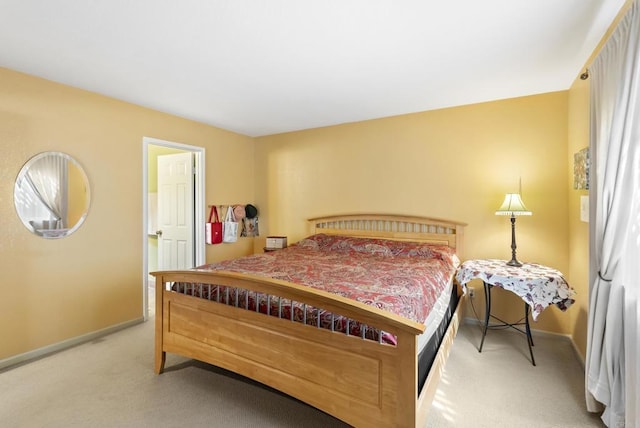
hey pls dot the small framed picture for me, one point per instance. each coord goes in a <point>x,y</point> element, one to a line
<point>581,169</point>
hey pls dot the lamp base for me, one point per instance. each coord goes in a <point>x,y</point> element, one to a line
<point>514,262</point>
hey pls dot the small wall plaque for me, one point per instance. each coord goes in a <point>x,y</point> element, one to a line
<point>581,166</point>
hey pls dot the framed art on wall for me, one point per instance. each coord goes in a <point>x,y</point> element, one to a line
<point>581,169</point>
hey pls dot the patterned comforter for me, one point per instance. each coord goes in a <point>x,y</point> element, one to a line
<point>405,278</point>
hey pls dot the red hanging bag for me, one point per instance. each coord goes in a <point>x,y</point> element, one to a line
<point>213,229</point>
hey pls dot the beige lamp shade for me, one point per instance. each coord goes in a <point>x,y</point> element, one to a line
<point>513,205</point>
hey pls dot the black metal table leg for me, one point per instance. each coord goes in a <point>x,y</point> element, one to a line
<point>528,330</point>
<point>487,316</point>
<point>487,312</point>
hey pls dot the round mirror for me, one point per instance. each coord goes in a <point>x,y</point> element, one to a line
<point>52,195</point>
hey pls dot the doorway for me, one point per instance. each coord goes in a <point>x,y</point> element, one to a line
<point>151,149</point>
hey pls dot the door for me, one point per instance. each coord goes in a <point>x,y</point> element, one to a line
<point>175,211</point>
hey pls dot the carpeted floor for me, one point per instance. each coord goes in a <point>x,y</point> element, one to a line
<point>110,383</point>
<point>501,388</point>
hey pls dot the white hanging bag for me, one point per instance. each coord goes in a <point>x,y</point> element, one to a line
<point>229,226</point>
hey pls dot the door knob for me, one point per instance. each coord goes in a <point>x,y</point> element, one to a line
<point>159,233</point>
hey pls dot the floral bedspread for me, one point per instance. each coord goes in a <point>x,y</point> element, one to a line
<point>404,278</point>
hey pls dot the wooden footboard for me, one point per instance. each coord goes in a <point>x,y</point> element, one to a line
<point>362,382</point>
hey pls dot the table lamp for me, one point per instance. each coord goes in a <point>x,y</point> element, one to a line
<point>513,206</point>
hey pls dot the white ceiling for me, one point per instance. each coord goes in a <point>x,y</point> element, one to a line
<point>261,67</point>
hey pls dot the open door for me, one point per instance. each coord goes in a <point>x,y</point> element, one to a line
<point>182,242</point>
<point>175,212</point>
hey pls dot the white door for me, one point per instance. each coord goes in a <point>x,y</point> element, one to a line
<point>175,211</point>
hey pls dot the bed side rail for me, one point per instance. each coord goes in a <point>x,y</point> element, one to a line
<point>366,314</point>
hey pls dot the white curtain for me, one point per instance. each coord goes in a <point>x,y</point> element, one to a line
<point>48,180</point>
<point>613,352</point>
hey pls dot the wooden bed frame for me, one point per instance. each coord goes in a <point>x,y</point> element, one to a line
<point>362,382</point>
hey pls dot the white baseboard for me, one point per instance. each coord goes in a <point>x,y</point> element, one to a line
<point>578,354</point>
<point>65,344</point>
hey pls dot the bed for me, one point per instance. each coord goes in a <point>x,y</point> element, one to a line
<point>352,358</point>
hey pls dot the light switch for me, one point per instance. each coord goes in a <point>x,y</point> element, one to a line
<point>584,208</point>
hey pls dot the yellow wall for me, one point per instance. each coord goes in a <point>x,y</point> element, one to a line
<point>453,163</point>
<point>54,290</point>
<point>578,230</point>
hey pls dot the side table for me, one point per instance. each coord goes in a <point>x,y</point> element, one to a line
<point>539,286</point>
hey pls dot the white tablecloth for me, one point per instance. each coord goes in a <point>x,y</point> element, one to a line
<point>539,286</point>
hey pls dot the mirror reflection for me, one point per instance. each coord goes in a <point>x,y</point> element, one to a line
<point>52,195</point>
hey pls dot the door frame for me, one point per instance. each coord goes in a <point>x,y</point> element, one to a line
<point>198,206</point>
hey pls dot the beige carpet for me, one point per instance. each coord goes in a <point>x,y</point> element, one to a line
<point>501,388</point>
<point>110,383</point>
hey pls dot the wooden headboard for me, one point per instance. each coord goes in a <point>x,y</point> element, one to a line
<point>389,226</point>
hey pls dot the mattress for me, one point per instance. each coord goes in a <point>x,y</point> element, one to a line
<point>429,350</point>
<point>438,313</point>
